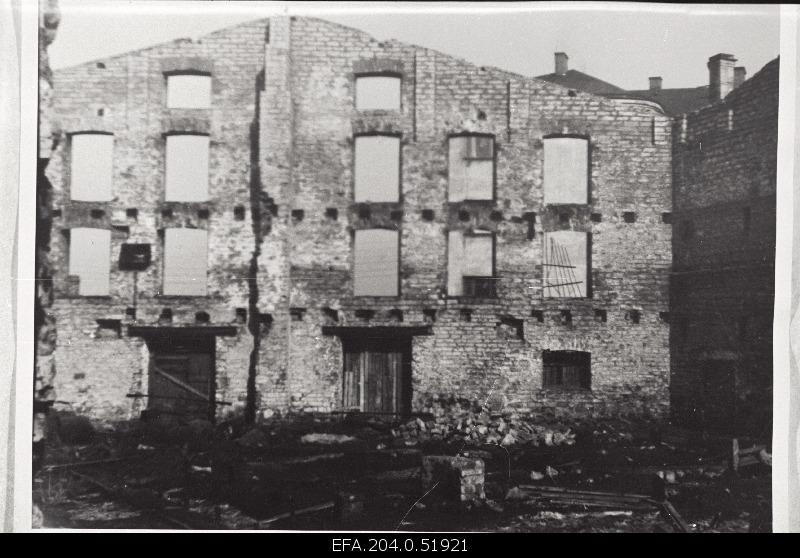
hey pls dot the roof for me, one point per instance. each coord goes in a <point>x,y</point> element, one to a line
<point>573,79</point>
<point>675,101</point>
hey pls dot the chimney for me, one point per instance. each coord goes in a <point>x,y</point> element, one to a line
<point>561,63</point>
<point>655,83</point>
<point>720,76</point>
<point>739,75</point>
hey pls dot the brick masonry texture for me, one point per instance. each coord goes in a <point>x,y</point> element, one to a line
<point>281,129</point>
<point>724,251</point>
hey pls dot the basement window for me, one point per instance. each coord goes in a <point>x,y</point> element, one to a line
<point>376,263</point>
<point>185,262</point>
<point>566,370</point>
<point>566,265</point>
<point>91,166</point>
<point>187,168</point>
<point>192,91</point>
<point>566,170</point>
<point>378,92</point>
<point>377,168</point>
<point>90,260</point>
<point>470,264</point>
<point>470,168</point>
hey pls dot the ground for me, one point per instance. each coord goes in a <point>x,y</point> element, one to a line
<point>364,473</point>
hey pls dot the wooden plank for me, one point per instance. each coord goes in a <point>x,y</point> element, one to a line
<point>179,383</point>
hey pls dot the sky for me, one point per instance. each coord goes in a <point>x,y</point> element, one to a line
<point>622,43</point>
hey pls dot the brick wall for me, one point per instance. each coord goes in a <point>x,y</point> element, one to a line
<point>724,243</point>
<point>282,131</point>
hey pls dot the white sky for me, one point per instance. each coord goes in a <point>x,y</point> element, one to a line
<point>622,43</point>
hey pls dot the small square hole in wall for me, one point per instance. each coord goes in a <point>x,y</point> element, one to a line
<point>101,65</point>
<point>530,218</point>
<point>364,212</point>
<point>166,213</point>
<point>297,314</point>
<point>563,218</point>
<point>600,315</point>
<point>241,315</point>
<point>465,315</point>
<point>566,317</point>
<point>463,215</point>
<point>166,315</point>
<point>396,315</point>
<point>298,215</point>
<point>132,213</point>
<point>265,321</point>
<point>101,112</point>
<point>664,317</point>
<point>666,218</point>
<point>597,218</point>
<point>428,215</point>
<point>572,93</point>
<point>130,312</point>
<point>429,315</point>
<point>79,376</point>
<point>56,213</point>
<point>633,316</point>
<point>238,213</point>
<point>331,315</point>
<point>332,214</point>
<point>202,317</point>
<point>365,315</point>
<point>109,327</point>
<point>397,215</point>
<point>97,213</point>
<point>496,216</point>
<point>629,217</point>
<point>203,213</point>
<point>537,315</point>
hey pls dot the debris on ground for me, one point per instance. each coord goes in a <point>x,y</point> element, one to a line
<point>324,438</point>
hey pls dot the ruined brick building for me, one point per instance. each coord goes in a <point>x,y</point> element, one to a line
<point>289,215</point>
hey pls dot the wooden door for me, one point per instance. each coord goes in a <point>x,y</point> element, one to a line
<point>376,375</point>
<point>181,380</point>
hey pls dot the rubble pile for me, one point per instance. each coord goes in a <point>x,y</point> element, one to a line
<point>482,427</point>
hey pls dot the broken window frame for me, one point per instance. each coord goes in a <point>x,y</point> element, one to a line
<point>474,136</point>
<point>356,292</point>
<point>385,75</point>
<point>585,185</point>
<point>553,373</point>
<point>564,282</point>
<point>471,286</point>
<point>108,189</point>
<point>188,73</point>
<point>206,183</point>
<point>71,271</point>
<point>165,280</point>
<point>356,190</point>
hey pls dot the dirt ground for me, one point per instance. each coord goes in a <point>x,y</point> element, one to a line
<point>355,473</point>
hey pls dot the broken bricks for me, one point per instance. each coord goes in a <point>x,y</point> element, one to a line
<point>456,479</point>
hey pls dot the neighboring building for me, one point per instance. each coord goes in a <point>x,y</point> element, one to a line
<point>293,214</point>
<point>725,161</point>
<point>573,79</point>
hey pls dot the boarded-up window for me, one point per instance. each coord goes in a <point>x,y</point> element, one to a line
<point>566,369</point>
<point>185,262</point>
<point>91,166</point>
<point>377,169</point>
<point>376,263</point>
<point>189,91</point>
<point>471,168</point>
<point>90,260</point>
<point>187,168</point>
<point>378,93</point>
<point>566,170</point>
<point>566,264</point>
<point>470,264</point>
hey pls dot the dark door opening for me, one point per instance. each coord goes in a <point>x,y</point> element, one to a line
<point>566,370</point>
<point>181,377</point>
<point>377,375</point>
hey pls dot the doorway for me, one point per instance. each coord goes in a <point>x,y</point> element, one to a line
<point>377,375</point>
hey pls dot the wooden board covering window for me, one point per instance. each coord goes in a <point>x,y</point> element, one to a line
<point>375,375</point>
<point>90,260</point>
<point>91,164</point>
<point>566,171</point>
<point>468,255</point>
<point>470,168</point>
<point>377,169</point>
<point>378,93</point>
<point>185,261</point>
<point>565,267</point>
<point>187,168</point>
<point>376,263</point>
